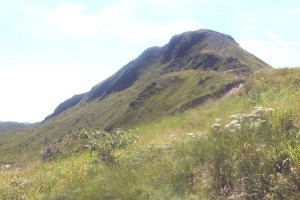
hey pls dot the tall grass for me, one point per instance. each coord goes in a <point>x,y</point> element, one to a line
<point>249,152</point>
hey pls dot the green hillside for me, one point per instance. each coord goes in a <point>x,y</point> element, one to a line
<point>244,145</point>
<point>192,69</point>
<point>181,89</point>
<point>199,118</point>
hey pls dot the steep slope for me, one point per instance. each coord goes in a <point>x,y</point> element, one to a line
<point>198,50</point>
<point>191,69</point>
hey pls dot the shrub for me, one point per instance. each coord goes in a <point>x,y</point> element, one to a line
<point>103,145</point>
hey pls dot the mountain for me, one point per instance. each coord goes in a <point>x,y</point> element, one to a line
<point>203,50</point>
<point>193,68</point>
<point>12,126</point>
<point>203,119</point>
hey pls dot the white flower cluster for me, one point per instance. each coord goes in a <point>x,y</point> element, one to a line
<point>259,111</point>
<point>234,124</point>
<point>254,118</point>
<point>196,136</point>
<point>217,124</point>
<point>257,123</point>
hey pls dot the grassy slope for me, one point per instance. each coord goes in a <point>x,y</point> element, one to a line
<point>182,88</point>
<point>169,162</point>
<point>177,87</point>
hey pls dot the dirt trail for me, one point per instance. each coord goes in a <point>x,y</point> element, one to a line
<point>233,90</point>
<point>226,91</point>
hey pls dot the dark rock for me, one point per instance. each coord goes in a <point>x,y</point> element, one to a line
<point>209,60</point>
<point>180,45</point>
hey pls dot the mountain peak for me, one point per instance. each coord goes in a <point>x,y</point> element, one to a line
<point>205,39</point>
<point>203,34</point>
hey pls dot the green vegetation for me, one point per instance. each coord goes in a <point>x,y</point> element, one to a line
<point>245,145</point>
<point>142,103</point>
<point>194,68</point>
<point>103,144</point>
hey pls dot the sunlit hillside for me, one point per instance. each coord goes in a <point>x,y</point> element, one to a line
<point>242,146</point>
<point>193,68</point>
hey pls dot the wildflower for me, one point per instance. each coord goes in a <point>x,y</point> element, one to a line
<point>216,126</point>
<point>261,110</point>
<point>232,130</point>
<point>190,134</point>
<point>233,123</point>
<point>257,123</point>
<point>269,110</point>
<point>238,116</point>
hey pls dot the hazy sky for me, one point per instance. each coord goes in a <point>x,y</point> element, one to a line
<point>53,49</point>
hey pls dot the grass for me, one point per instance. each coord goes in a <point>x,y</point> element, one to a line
<point>184,157</point>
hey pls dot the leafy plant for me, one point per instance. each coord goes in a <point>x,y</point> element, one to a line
<point>103,145</point>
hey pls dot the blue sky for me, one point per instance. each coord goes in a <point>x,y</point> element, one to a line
<point>50,49</point>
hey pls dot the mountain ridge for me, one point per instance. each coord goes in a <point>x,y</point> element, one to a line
<point>198,50</point>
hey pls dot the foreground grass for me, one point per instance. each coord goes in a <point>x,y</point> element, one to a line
<point>183,157</point>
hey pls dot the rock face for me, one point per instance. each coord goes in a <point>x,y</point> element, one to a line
<point>202,50</point>
<point>196,50</point>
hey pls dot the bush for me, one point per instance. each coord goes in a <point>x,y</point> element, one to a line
<point>103,145</point>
